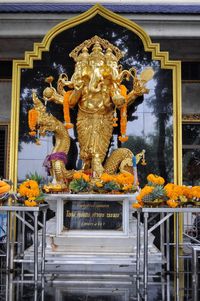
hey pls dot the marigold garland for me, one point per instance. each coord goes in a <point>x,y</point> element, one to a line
<point>32,121</point>
<point>105,177</point>
<point>115,119</point>
<point>195,191</point>
<point>126,179</point>
<point>173,191</point>
<point>30,202</point>
<point>172,195</point>
<point>69,125</point>
<point>137,205</point>
<point>4,187</point>
<point>144,191</point>
<point>155,179</point>
<point>80,175</point>
<point>29,189</point>
<point>172,203</point>
<point>123,115</point>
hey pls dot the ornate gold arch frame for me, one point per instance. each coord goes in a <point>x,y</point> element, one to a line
<point>154,48</point>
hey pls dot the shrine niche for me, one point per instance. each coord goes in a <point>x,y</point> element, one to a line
<point>102,93</point>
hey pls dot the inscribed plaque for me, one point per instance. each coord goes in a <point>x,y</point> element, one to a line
<point>92,215</point>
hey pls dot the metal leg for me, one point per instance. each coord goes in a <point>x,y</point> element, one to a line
<point>168,288</point>
<point>194,274</point>
<point>7,286</point>
<point>177,256</point>
<point>35,248</point>
<point>8,243</point>
<point>19,235</point>
<point>35,293</point>
<point>145,252</point>
<point>12,240</point>
<point>168,258</point>
<point>138,255</point>
<point>43,243</point>
<point>162,236</point>
<point>167,245</point>
<point>23,248</point>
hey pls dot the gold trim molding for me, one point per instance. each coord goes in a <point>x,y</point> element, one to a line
<point>191,118</point>
<point>149,46</point>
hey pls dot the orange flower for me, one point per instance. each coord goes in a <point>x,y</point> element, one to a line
<point>32,121</point>
<point>123,138</point>
<point>80,175</point>
<point>105,177</point>
<point>29,189</point>
<point>136,205</point>
<point>126,187</point>
<point>195,190</point>
<point>69,125</point>
<point>155,179</point>
<point>30,203</point>
<point>174,191</point>
<point>32,133</point>
<point>4,187</point>
<point>144,191</point>
<point>123,115</point>
<point>188,192</point>
<point>124,179</point>
<point>172,203</point>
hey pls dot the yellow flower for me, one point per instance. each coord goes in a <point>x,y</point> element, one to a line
<point>145,191</point>
<point>195,190</point>
<point>174,191</point>
<point>80,175</point>
<point>126,187</point>
<point>124,179</point>
<point>32,121</point>
<point>136,205</point>
<point>4,187</point>
<point>30,203</point>
<point>155,179</point>
<point>99,184</point>
<point>172,203</point>
<point>29,189</point>
<point>187,191</point>
<point>107,178</point>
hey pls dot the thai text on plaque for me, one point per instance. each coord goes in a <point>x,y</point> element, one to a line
<point>93,215</point>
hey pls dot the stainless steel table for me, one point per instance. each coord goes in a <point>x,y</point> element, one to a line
<point>20,213</point>
<point>165,214</point>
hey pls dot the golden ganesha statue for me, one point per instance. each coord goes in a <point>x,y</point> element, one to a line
<point>96,87</point>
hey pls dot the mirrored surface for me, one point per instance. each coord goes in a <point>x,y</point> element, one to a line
<point>191,154</point>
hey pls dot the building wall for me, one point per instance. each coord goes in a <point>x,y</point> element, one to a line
<point>177,34</point>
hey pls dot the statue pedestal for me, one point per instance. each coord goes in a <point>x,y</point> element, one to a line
<point>93,232</point>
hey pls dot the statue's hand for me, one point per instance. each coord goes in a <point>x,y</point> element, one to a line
<point>50,94</point>
<point>118,100</point>
<point>139,87</point>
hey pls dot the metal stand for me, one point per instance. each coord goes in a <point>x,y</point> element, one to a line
<point>195,269</point>
<point>19,213</point>
<point>165,214</point>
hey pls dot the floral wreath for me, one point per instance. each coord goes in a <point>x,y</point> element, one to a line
<point>29,189</point>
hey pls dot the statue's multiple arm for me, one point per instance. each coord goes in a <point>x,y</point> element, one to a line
<point>74,97</point>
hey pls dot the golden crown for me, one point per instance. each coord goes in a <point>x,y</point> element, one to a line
<point>88,43</point>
